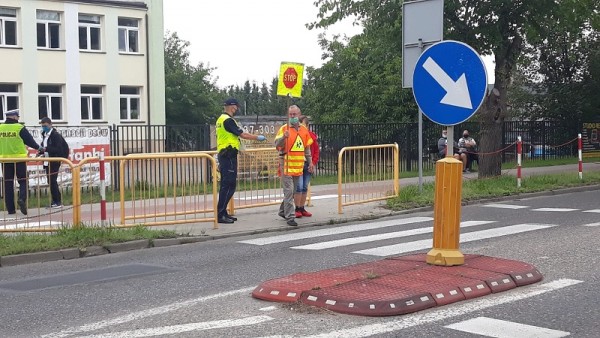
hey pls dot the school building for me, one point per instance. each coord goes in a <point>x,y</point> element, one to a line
<point>83,62</point>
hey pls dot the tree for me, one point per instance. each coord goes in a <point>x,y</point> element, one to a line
<point>493,27</point>
<point>361,82</point>
<point>191,94</point>
<point>563,66</point>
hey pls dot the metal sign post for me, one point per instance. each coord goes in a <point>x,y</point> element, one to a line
<point>422,26</point>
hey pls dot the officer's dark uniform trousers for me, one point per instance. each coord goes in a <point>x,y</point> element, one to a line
<point>8,171</point>
<point>228,167</point>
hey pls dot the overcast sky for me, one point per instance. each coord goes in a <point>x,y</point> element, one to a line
<point>248,39</point>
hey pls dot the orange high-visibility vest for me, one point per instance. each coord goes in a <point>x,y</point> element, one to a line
<point>293,160</point>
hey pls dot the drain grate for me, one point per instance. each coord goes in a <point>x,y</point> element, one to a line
<point>88,276</point>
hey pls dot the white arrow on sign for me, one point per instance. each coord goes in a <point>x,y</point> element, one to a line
<point>457,93</point>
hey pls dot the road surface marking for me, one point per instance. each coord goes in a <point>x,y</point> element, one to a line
<point>490,327</point>
<point>592,224</point>
<point>260,198</point>
<point>177,329</point>
<point>43,224</point>
<point>379,237</point>
<point>324,197</point>
<point>465,237</point>
<point>334,231</point>
<point>459,309</point>
<point>597,211</point>
<point>506,206</point>
<point>555,209</point>
<point>268,308</point>
<point>145,313</point>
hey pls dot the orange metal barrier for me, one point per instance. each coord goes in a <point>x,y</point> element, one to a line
<point>365,174</point>
<point>156,190</point>
<point>40,217</point>
<point>258,183</point>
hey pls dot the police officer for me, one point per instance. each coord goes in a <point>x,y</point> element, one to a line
<point>13,138</point>
<point>228,146</point>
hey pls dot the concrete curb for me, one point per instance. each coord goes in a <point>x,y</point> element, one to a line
<point>66,254</point>
<point>128,246</point>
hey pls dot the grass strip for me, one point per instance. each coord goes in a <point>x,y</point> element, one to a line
<point>76,238</point>
<point>475,189</point>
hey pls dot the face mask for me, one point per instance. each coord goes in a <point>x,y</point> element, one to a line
<point>465,135</point>
<point>294,120</point>
<point>46,128</point>
<point>445,135</point>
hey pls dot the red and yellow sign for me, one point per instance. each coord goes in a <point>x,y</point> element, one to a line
<point>290,79</point>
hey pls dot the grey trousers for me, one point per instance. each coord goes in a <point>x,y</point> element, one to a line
<point>287,209</point>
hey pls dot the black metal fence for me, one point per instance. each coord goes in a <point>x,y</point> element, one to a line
<point>542,140</point>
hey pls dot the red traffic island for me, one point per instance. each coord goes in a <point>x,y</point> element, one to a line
<point>398,285</point>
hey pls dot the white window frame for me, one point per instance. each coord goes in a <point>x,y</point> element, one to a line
<point>4,98</point>
<point>88,28</point>
<point>46,24</point>
<point>90,97</point>
<point>49,97</point>
<point>129,98</point>
<point>3,20</point>
<point>126,30</point>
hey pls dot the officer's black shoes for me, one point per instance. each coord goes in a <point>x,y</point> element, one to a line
<point>231,217</point>
<point>292,223</point>
<point>225,220</point>
<point>22,206</point>
<point>12,212</point>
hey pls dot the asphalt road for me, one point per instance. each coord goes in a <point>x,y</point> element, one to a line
<point>203,290</point>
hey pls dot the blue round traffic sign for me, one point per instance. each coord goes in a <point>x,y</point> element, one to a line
<point>449,82</point>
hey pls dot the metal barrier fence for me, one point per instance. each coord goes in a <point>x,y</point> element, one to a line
<point>365,174</point>
<point>258,182</point>
<point>155,190</point>
<point>39,217</point>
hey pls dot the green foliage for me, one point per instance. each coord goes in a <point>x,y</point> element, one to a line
<point>76,238</point>
<point>360,83</point>
<point>499,27</point>
<point>476,189</point>
<point>192,96</point>
<point>258,100</point>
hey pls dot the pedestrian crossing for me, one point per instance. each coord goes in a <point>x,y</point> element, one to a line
<point>417,236</point>
<point>490,327</point>
<point>547,209</point>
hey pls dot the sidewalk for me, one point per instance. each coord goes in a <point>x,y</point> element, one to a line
<point>325,205</point>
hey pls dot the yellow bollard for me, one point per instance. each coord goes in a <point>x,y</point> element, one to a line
<point>446,219</point>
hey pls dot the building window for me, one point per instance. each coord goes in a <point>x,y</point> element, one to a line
<point>89,32</point>
<point>9,98</point>
<point>50,102</point>
<point>129,33</point>
<point>48,29</point>
<point>91,103</point>
<point>130,103</point>
<point>8,26</point>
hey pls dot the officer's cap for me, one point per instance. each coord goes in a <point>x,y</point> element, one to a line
<point>14,112</point>
<point>231,102</point>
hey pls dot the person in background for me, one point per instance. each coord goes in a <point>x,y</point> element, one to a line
<point>442,151</point>
<point>228,146</point>
<point>293,143</point>
<point>13,139</point>
<point>302,189</point>
<point>467,146</point>
<point>53,145</point>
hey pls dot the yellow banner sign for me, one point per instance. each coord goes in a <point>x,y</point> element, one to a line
<point>290,79</point>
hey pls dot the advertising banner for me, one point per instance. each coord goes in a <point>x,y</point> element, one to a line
<point>591,139</point>
<point>83,142</point>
